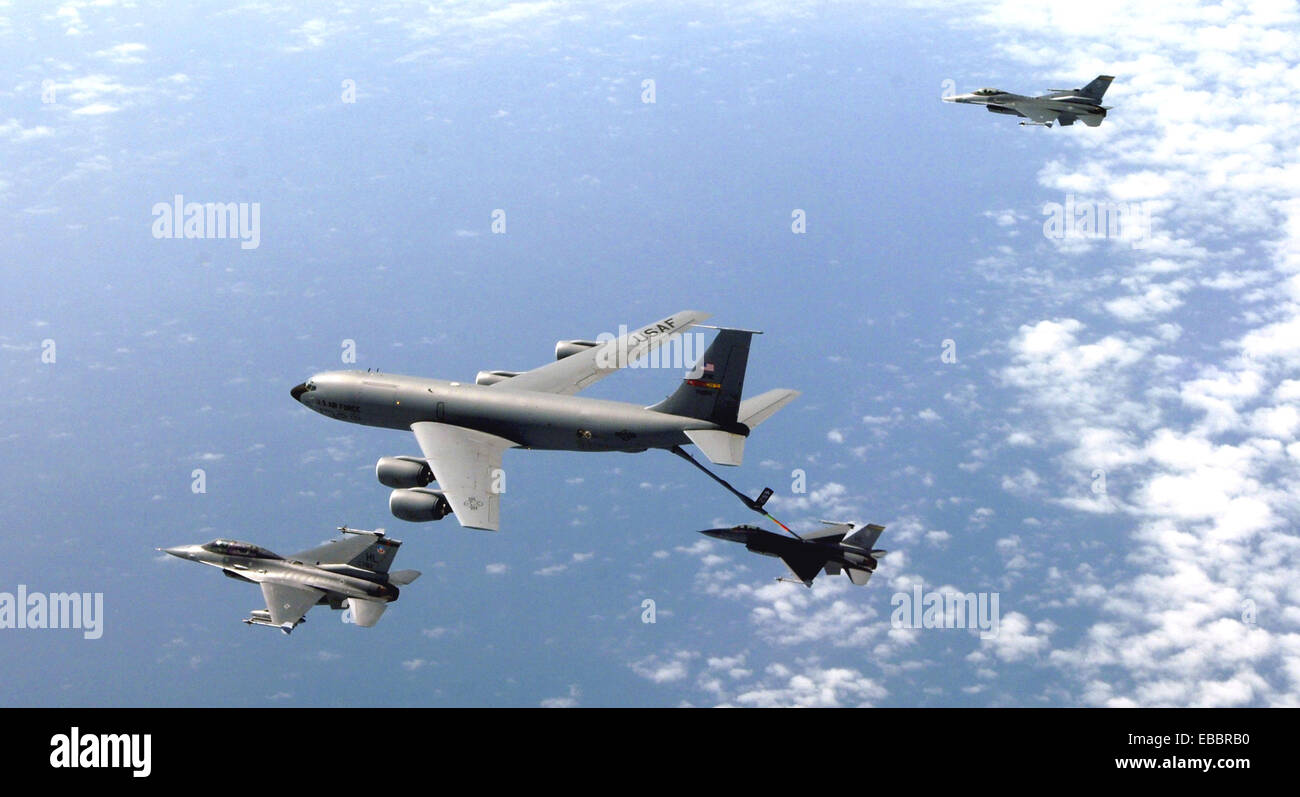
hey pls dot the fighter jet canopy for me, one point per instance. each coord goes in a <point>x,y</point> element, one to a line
<point>237,548</point>
<point>987,92</point>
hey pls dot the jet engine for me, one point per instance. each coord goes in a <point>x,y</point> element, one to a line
<point>492,377</point>
<point>568,348</point>
<point>419,505</point>
<point>403,472</point>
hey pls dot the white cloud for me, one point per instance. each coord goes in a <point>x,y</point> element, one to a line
<point>568,701</point>
<point>1195,446</point>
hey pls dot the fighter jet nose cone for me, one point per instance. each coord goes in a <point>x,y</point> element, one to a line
<point>297,391</point>
<point>178,551</point>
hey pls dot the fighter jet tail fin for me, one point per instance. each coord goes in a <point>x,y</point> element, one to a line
<point>865,536</point>
<point>378,556</point>
<point>1097,88</point>
<point>711,391</point>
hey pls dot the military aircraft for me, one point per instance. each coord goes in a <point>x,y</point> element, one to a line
<point>350,573</point>
<point>464,428</point>
<point>1059,105</point>
<point>849,547</point>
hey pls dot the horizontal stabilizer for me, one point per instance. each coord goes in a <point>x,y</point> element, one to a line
<point>754,411</point>
<point>857,576</point>
<point>365,612</point>
<point>403,577</point>
<point>722,448</point>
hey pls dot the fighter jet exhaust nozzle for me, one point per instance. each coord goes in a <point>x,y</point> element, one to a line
<point>418,505</point>
<point>403,472</point>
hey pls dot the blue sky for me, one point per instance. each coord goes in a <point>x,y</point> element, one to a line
<point>1170,368</point>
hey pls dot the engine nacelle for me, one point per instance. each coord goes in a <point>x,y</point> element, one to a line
<point>568,348</point>
<point>419,505</point>
<point>403,472</point>
<point>492,377</point>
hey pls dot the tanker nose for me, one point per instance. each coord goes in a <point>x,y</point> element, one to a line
<point>297,391</point>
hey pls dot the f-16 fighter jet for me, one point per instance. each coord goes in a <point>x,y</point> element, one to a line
<point>1058,105</point>
<point>846,547</point>
<point>464,428</point>
<point>350,573</point>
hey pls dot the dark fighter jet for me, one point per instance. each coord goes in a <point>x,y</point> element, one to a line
<point>840,546</point>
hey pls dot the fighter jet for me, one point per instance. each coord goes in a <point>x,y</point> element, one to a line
<point>351,573</point>
<point>1058,105</point>
<point>849,547</point>
<point>464,428</point>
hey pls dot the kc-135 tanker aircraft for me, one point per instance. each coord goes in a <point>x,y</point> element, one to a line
<point>464,428</point>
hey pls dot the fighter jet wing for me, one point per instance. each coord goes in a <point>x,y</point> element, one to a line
<point>1006,109</point>
<point>587,367</point>
<point>468,467</point>
<point>804,567</point>
<point>336,552</point>
<point>1036,112</point>
<point>833,531</point>
<point>288,604</point>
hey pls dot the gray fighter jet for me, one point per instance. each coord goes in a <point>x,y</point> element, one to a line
<point>849,547</point>
<point>464,428</point>
<point>351,573</point>
<point>1059,105</point>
